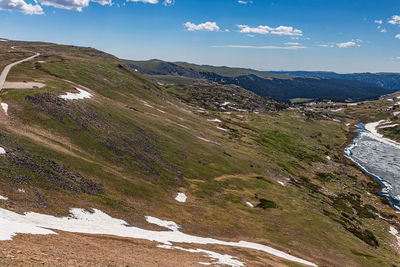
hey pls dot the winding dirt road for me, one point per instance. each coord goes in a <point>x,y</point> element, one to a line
<point>6,70</point>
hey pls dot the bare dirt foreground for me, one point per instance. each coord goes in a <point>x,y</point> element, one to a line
<point>70,249</point>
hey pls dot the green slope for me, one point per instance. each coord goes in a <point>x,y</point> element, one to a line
<point>131,147</point>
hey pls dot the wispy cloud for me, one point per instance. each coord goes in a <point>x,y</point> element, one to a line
<point>292,43</point>
<point>378,21</point>
<point>397,36</point>
<point>145,1</point>
<point>352,43</point>
<point>245,2</point>
<point>206,26</point>
<point>281,30</point>
<point>293,47</point>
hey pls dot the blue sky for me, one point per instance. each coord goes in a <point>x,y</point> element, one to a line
<point>335,35</point>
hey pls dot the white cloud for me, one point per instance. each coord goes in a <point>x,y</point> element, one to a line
<point>397,36</point>
<point>261,47</point>
<point>281,30</point>
<point>346,44</point>
<point>206,26</point>
<point>291,43</point>
<point>21,6</point>
<point>398,58</point>
<point>168,2</point>
<point>395,20</point>
<point>383,30</point>
<point>77,5</point>
<point>145,1</point>
<point>244,2</point>
<point>378,21</point>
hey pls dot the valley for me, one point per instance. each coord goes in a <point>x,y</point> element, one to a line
<point>183,166</point>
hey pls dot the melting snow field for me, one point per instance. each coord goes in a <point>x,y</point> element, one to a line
<point>4,106</point>
<point>181,197</point>
<point>73,96</point>
<point>81,221</point>
<point>379,157</point>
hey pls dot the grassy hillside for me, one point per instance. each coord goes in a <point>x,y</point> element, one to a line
<point>130,148</point>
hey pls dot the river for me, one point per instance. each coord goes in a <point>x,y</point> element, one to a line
<point>379,157</point>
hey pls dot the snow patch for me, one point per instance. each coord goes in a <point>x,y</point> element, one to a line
<point>206,140</point>
<point>2,150</point>
<point>281,183</point>
<point>181,197</point>
<point>74,96</point>
<point>215,120</point>
<point>249,204</point>
<point>81,221</point>
<point>328,158</point>
<point>21,190</point>
<point>5,107</point>
<point>222,259</point>
<point>147,104</point>
<point>222,129</point>
<point>337,110</point>
<point>3,198</point>
<point>394,232</point>
<point>165,224</point>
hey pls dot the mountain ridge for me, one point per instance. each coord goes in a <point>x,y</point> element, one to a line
<point>279,86</point>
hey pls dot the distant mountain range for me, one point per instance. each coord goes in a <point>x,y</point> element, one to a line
<point>383,79</point>
<point>282,86</point>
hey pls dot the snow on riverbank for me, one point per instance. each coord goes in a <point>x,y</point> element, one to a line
<point>4,106</point>
<point>372,129</point>
<point>388,126</point>
<point>73,96</point>
<point>181,197</point>
<point>81,221</point>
